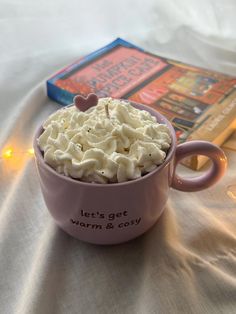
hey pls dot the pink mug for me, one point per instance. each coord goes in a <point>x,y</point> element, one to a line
<point>118,212</point>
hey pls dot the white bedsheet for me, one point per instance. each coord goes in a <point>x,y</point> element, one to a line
<point>187,262</point>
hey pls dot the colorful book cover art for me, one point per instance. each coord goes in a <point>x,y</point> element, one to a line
<point>114,73</point>
<point>190,97</point>
<point>185,95</point>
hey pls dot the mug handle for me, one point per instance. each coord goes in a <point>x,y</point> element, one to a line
<point>216,171</point>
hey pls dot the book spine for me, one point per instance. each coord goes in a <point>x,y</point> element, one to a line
<point>59,95</point>
<point>197,162</point>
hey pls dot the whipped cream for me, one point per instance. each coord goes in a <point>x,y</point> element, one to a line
<point>110,142</point>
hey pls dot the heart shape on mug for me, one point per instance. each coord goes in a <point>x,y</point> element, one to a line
<point>84,103</point>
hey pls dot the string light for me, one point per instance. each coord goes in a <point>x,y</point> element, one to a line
<point>30,151</point>
<point>9,153</point>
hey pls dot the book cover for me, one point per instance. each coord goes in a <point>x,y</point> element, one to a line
<point>201,104</point>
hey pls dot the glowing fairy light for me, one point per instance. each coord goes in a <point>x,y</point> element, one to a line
<point>8,153</point>
<point>30,151</point>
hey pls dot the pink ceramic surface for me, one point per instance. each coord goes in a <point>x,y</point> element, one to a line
<point>118,212</point>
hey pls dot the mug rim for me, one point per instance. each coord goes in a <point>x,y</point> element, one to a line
<point>160,119</point>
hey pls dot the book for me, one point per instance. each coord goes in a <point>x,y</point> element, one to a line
<point>200,104</point>
<point>230,143</point>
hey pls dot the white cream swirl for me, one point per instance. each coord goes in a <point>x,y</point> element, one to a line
<point>111,142</point>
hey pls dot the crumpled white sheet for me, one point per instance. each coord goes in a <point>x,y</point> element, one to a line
<point>187,262</point>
